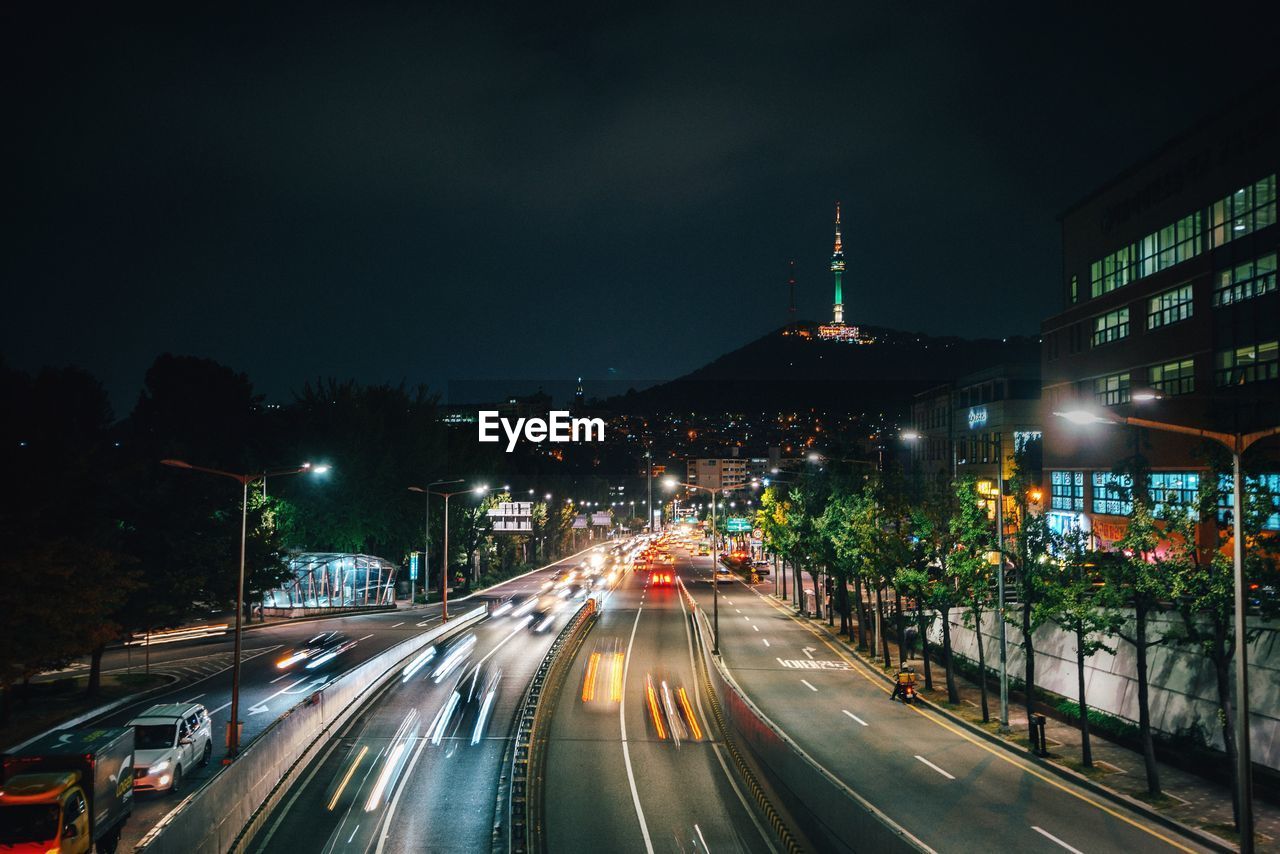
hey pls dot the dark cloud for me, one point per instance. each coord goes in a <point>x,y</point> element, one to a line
<point>394,191</point>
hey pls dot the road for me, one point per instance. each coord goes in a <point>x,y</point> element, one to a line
<point>202,670</point>
<point>946,786</point>
<point>390,781</point>
<point>625,775</point>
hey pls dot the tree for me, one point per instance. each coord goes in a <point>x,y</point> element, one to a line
<point>772,520</point>
<point>932,524</point>
<point>1138,578</point>
<point>970,567</point>
<point>1028,553</point>
<point>1070,602</point>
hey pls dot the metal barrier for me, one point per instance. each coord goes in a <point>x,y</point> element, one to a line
<point>224,813</point>
<point>833,816</point>
<point>524,805</point>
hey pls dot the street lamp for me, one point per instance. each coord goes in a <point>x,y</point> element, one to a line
<point>426,536</point>
<point>672,483</point>
<point>1237,444</point>
<point>233,726</point>
<point>305,467</point>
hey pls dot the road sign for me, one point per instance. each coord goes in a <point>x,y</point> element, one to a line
<point>413,567</point>
<point>757,534</point>
<point>512,517</point>
<point>603,520</point>
<point>737,525</point>
<point>579,521</point>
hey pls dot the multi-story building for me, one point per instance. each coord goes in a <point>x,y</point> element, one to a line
<point>718,473</point>
<point>1171,314</point>
<point>966,427</point>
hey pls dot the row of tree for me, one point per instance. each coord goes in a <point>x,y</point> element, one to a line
<point>936,553</point>
<point>101,541</point>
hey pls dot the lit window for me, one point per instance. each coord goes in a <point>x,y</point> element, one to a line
<point>1174,489</point>
<point>1245,281</point>
<point>1250,364</point>
<point>1173,378</point>
<point>1112,493</point>
<point>1169,307</point>
<point>1111,390</point>
<point>1110,326</point>
<point>1252,485</point>
<point>1067,490</point>
<point>1246,210</point>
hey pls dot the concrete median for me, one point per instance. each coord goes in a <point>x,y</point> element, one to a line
<point>224,813</point>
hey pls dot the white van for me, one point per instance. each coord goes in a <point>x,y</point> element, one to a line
<point>169,741</point>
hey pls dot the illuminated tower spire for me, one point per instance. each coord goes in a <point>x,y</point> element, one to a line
<point>837,272</point>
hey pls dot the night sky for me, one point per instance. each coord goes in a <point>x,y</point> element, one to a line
<point>394,191</point>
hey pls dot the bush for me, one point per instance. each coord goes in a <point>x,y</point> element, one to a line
<point>1101,722</point>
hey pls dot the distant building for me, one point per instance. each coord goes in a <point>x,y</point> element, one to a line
<point>966,427</point>
<point>837,330</point>
<point>1171,314</point>
<point>718,473</point>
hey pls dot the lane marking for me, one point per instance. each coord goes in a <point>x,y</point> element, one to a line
<point>1047,835</point>
<point>366,637</point>
<point>860,668</point>
<point>807,683</point>
<point>398,625</point>
<point>703,840</point>
<point>745,617</point>
<point>855,717</point>
<point>626,751</point>
<point>757,628</point>
<point>766,641</point>
<point>278,678</point>
<point>934,767</point>
<point>193,699</point>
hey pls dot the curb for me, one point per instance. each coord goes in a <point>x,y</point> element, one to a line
<point>1119,798</point>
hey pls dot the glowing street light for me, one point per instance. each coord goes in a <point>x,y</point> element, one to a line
<point>1237,444</point>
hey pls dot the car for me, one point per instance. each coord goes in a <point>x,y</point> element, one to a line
<point>662,579</point>
<point>170,740</point>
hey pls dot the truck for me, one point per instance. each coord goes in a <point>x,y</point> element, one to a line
<point>69,792</point>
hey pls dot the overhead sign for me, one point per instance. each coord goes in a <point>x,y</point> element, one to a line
<point>579,521</point>
<point>737,525</point>
<point>604,520</point>
<point>977,417</point>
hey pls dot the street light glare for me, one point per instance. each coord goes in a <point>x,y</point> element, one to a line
<point>814,458</point>
<point>910,435</point>
<point>1082,417</point>
<point>318,469</point>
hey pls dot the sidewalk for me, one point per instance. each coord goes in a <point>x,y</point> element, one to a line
<point>1188,799</point>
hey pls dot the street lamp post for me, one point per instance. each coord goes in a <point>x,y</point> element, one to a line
<point>1237,444</point>
<point>233,726</point>
<point>715,577</point>
<point>444,571</point>
<point>426,538</point>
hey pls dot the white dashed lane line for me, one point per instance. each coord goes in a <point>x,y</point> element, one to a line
<point>855,717</point>
<point>1047,835</point>
<point>936,768</point>
<point>808,685</point>
<point>766,641</point>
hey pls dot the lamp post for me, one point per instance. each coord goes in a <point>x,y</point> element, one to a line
<point>233,726</point>
<point>305,467</point>
<point>997,442</point>
<point>1237,444</point>
<point>715,577</point>
<point>426,537</point>
<point>444,572</point>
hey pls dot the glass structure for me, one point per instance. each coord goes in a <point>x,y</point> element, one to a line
<point>335,580</point>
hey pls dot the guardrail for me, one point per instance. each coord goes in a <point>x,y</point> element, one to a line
<point>225,813</point>
<point>834,816</point>
<point>524,804</point>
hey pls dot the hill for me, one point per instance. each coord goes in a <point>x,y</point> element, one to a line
<point>792,368</point>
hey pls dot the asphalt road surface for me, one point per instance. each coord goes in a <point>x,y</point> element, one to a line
<point>412,772</point>
<point>627,770</point>
<point>946,786</point>
<point>202,669</point>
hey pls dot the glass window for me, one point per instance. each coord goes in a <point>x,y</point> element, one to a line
<point>1169,307</point>
<point>1245,281</point>
<point>1075,289</point>
<point>1174,489</point>
<point>1112,493</point>
<point>1246,210</point>
<point>1111,390</point>
<point>1173,378</point>
<point>1250,364</point>
<point>1227,496</point>
<point>1067,490</point>
<point>1110,326</point>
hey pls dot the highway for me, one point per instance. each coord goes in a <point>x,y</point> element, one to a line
<point>946,786</point>
<point>412,772</point>
<point>202,672</point>
<point>627,770</point>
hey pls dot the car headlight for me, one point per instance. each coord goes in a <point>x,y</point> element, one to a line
<point>162,765</point>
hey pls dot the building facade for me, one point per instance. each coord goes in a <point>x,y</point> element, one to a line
<point>966,428</point>
<point>718,473</point>
<point>1170,314</point>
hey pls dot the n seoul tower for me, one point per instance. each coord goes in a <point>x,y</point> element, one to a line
<point>837,272</point>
